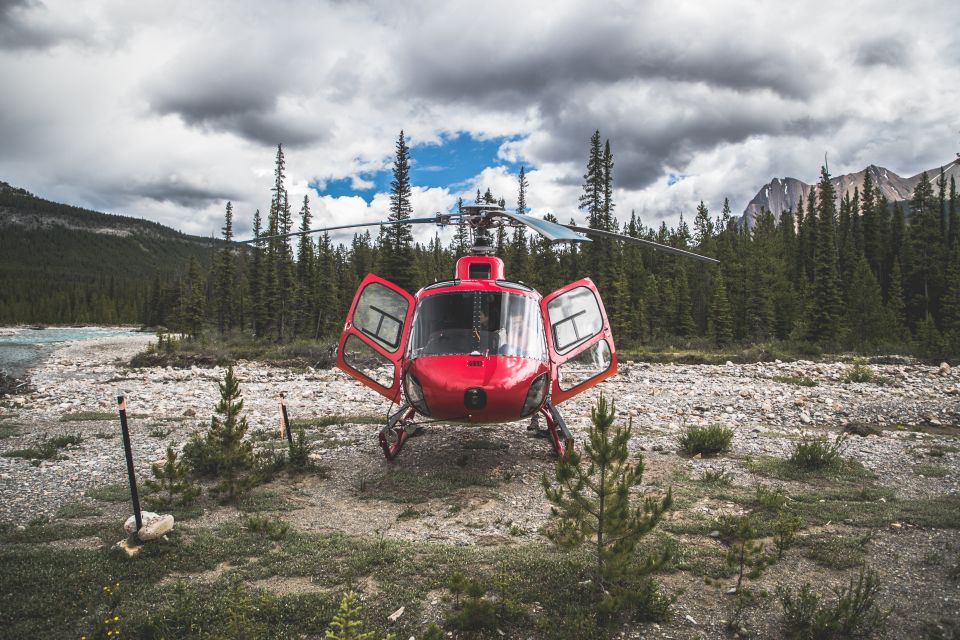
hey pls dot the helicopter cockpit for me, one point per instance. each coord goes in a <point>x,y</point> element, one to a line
<point>486,323</point>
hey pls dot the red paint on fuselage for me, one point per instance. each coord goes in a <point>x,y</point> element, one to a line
<point>505,380</point>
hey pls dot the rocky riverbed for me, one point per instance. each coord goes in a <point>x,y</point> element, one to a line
<point>915,454</point>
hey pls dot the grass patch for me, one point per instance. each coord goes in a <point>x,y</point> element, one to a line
<point>816,453</point>
<point>836,552</point>
<point>939,451</point>
<point>336,420</point>
<point>781,469</point>
<point>217,351</point>
<point>57,592</point>
<point>8,430</point>
<point>91,416</point>
<point>260,501</point>
<point>409,513</point>
<point>482,443</point>
<point>415,486</point>
<point>862,429</point>
<point>875,508</point>
<point>719,478</point>
<point>800,381</point>
<point>77,510</point>
<point>119,492</point>
<point>931,471</point>
<point>46,448</point>
<point>707,440</point>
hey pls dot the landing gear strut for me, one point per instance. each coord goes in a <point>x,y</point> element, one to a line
<point>560,437</point>
<point>395,433</point>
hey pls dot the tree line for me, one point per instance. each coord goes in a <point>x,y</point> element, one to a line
<point>853,272</point>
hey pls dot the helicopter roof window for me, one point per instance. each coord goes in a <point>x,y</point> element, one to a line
<point>479,271</point>
<point>478,323</point>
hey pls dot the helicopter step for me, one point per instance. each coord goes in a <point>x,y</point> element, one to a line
<point>395,433</point>
<point>560,437</point>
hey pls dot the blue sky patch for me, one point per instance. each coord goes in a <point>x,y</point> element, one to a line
<point>451,164</point>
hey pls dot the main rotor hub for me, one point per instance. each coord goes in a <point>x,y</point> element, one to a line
<point>482,218</point>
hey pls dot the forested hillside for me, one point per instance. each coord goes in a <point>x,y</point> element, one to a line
<point>857,272</point>
<point>854,272</point>
<point>63,264</point>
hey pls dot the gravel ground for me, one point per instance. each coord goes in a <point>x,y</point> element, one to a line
<point>918,408</point>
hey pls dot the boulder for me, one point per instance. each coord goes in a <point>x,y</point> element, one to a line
<point>154,525</point>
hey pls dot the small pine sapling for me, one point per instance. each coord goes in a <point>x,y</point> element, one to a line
<point>457,585</point>
<point>785,529</point>
<point>300,449</point>
<point>235,455</point>
<point>171,481</point>
<point>592,503</point>
<point>478,612</point>
<point>346,624</point>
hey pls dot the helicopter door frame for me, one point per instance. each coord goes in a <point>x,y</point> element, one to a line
<point>576,326</point>
<point>381,326</point>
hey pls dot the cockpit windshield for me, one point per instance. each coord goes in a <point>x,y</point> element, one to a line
<point>478,323</point>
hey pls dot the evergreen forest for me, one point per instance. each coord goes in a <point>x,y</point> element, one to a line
<point>838,273</point>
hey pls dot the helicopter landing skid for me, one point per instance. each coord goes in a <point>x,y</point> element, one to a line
<point>560,437</point>
<point>395,433</point>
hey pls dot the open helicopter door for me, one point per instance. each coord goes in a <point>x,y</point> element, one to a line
<point>579,338</point>
<point>375,335</point>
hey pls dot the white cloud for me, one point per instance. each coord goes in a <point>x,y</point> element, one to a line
<point>166,111</point>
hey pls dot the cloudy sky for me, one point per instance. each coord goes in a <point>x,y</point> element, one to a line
<point>166,110</point>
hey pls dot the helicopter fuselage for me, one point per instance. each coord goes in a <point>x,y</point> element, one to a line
<point>478,348</point>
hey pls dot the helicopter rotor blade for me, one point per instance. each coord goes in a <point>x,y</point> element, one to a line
<point>550,230</point>
<point>440,218</point>
<point>656,246</point>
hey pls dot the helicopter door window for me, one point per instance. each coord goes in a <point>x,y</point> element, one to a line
<point>379,314</point>
<point>575,317</point>
<point>365,360</point>
<point>587,364</point>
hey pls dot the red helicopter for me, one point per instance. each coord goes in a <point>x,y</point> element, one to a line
<point>480,348</point>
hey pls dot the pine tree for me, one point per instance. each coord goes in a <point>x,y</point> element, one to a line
<point>171,482</point>
<point>950,306</point>
<point>346,624</point>
<point>865,313</point>
<point>924,270</point>
<point>192,300</point>
<point>306,273</point>
<point>234,454</point>
<point>399,259</point>
<point>592,503</point>
<point>721,322</point>
<point>896,308</point>
<point>953,217</point>
<point>519,251</point>
<point>226,274</point>
<point>258,304</point>
<point>461,241</point>
<point>826,312</point>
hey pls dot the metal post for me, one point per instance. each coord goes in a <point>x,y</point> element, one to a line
<point>284,419</point>
<point>122,402</point>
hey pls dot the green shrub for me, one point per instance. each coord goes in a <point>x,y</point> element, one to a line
<point>300,449</point>
<point>477,613</point>
<point>785,529</point>
<point>813,453</point>
<point>171,482</point>
<point>860,371</point>
<point>272,528</point>
<point>855,614</point>
<point>706,440</point>
<point>723,477</point>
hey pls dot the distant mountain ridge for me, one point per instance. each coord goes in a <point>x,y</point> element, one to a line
<point>64,264</point>
<point>782,194</point>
